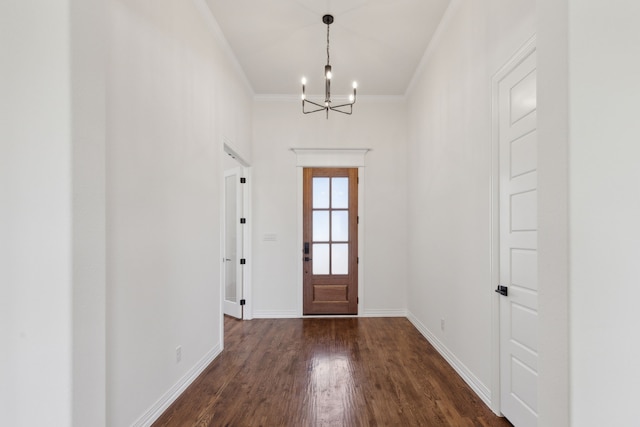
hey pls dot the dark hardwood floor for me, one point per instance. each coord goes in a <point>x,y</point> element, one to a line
<point>328,372</point>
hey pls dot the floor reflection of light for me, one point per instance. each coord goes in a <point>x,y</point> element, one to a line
<point>331,385</point>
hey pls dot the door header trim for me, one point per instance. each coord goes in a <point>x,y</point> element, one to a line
<point>330,157</point>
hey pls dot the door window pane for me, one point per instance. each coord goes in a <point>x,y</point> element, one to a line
<point>320,193</point>
<point>340,258</point>
<point>320,226</point>
<point>320,258</point>
<point>340,226</point>
<point>340,193</point>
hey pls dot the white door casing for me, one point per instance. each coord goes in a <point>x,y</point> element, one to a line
<point>518,310</point>
<point>233,243</point>
<point>329,157</point>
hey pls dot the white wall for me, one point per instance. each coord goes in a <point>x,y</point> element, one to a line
<point>35,179</point>
<point>604,211</point>
<point>52,213</point>
<point>278,126</point>
<point>449,150</point>
<point>172,95</point>
<point>553,213</point>
<point>88,43</point>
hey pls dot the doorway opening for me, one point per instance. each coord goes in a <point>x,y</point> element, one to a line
<point>332,158</point>
<point>236,239</point>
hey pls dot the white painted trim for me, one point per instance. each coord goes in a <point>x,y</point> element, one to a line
<point>361,240</point>
<point>230,150</point>
<point>330,157</point>
<point>299,240</point>
<point>383,313</point>
<point>524,52</point>
<point>214,27</point>
<point>292,314</point>
<point>435,41</point>
<point>247,278</point>
<point>174,392</point>
<point>465,373</point>
<point>276,314</point>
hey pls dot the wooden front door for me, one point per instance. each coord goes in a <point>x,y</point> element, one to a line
<point>330,246</point>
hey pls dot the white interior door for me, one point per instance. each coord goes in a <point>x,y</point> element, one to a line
<point>518,244</point>
<point>233,243</point>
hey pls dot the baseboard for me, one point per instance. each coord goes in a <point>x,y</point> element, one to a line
<point>292,314</point>
<point>476,385</point>
<point>170,396</point>
<point>275,314</point>
<point>383,313</point>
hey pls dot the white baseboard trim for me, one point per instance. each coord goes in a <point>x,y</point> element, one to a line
<point>476,385</point>
<point>275,314</point>
<point>170,396</point>
<point>292,314</point>
<point>383,313</point>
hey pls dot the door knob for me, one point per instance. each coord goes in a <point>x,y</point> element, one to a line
<point>502,290</point>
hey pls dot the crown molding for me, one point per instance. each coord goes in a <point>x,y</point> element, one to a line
<point>216,31</point>
<point>361,98</point>
<point>435,40</point>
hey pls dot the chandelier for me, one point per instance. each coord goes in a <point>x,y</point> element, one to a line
<point>346,108</point>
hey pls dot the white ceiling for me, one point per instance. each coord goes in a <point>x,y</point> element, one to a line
<point>378,43</point>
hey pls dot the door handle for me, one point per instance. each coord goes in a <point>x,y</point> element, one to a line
<point>502,290</point>
<point>307,258</point>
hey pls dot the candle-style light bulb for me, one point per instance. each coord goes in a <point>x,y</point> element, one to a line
<point>304,82</point>
<point>327,71</point>
<point>355,85</point>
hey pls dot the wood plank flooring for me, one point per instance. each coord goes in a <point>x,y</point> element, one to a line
<point>328,372</point>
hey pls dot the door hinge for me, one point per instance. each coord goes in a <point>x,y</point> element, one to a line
<point>243,180</point>
<point>243,302</point>
<point>358,260</point>
<point>357,300</point>
<point>243,220</point>
<point>243,261</point>
<point>358,219</point>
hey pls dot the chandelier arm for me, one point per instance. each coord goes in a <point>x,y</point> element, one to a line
<point>320,107</point>
<point>343,105</point>
<point>316,104</point>
<point>313,111</point>
<point>343,112</point>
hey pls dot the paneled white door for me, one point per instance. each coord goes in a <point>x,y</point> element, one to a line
<point>518,243</point>
<point>233,243</point>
